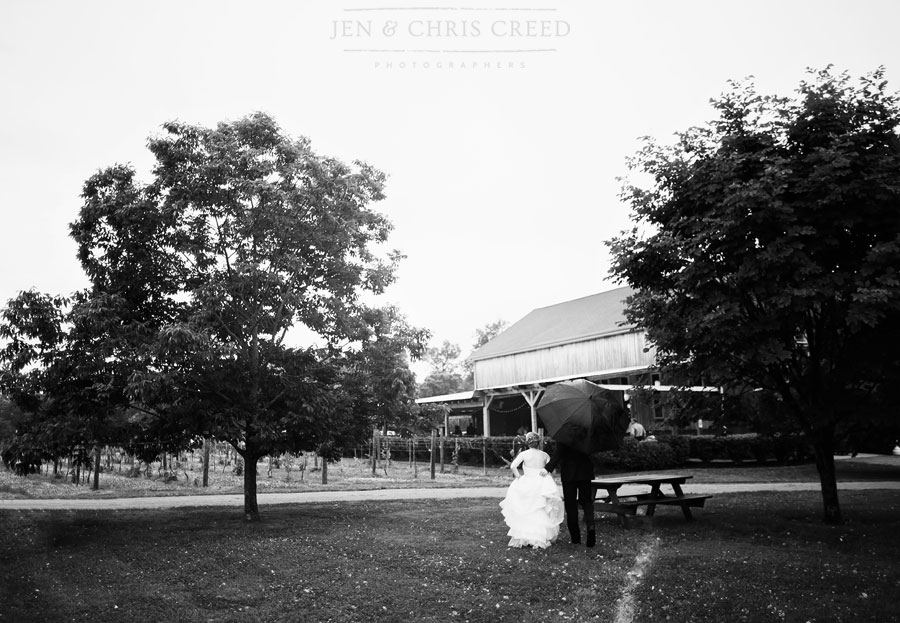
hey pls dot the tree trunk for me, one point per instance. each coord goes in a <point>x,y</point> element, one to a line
<point>251,509</point>
<point>96,485</point>
<point>324,470</point>
<point>823,443</point>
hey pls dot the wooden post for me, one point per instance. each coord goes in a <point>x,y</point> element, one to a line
<point>486,415</point>
<point>443,442</point>
<point>205,462</point>
<point>531,398</point>
<point>433,435</point>
<point>415,464</point>
<point>374,450</point>
<point>484,454</point>
<point>96,486</point>
<point>324,470</point>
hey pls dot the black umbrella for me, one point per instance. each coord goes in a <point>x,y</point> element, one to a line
<point>583,415</point>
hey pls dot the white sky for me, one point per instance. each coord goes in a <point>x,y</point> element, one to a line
<point>502,180</point>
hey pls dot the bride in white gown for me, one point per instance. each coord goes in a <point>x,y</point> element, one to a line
<point>533,507</point>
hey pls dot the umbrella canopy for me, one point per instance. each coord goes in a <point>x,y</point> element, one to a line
<point>583,415</point>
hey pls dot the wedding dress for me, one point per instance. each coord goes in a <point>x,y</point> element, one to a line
<point>533,509</point>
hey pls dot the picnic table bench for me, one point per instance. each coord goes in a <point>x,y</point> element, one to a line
<point>627,504</point>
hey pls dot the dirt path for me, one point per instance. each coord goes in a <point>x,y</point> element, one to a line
<point>625,606</point>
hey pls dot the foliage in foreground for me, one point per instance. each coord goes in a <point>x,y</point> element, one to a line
<point>765,250</point>
<point>199,279</point>
<point>749,557</point>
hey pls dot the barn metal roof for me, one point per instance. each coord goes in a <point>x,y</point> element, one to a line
<point>581,319</point>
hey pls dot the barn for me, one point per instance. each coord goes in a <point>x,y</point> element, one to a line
<point>585,338</point>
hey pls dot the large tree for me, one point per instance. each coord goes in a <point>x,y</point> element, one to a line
<point>447,375</point>
<point>377,373</point>
<point>67,361</point>
<point>65,375</point>
<point>249,233</point>
<point>766,249</point>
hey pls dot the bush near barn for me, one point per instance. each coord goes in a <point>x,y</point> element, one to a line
<point>670,451</point>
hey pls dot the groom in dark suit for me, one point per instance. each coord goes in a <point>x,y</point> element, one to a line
<point>576,470</point>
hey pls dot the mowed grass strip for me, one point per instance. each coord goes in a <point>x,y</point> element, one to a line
<point>746,557</point>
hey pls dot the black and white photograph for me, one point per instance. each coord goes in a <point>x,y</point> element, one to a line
<point>475,312</point>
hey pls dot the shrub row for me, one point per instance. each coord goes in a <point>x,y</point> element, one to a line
<point>750,447</point>
<point>675,450</point>
<point>638,456</point>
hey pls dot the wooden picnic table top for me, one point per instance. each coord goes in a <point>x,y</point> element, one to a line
<point>627,505</point>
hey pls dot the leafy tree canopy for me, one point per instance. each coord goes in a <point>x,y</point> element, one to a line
<point>242,234</point>
<point>449,372</point>
<point>766,248</point>
<point>488,332</point>
<point>66,379</point>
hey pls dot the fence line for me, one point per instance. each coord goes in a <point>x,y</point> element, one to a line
<point>442,452</point>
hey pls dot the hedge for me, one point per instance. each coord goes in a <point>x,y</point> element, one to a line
<point>638,456</point>
<point>675,450</point>
<point>750,447</point>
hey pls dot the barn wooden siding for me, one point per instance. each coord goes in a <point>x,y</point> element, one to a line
<point>613,353</point>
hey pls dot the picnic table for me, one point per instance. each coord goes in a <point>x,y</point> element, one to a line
<point>627,504</point>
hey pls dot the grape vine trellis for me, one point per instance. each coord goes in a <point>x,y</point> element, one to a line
<point>449,451</point>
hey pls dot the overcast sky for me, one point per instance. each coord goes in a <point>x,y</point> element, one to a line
<point>502,125</point>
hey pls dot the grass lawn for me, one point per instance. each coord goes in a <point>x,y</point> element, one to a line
<point>746,557</point>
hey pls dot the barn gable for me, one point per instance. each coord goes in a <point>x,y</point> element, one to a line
<point>586,337</point>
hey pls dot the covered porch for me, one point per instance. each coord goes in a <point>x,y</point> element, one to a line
<point>511,410</point>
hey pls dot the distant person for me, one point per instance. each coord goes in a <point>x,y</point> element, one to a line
<point>636,429</point>
<point>532,508</point>
<point>471,429</point>
<point>519,442</point>
<point>457,430</point>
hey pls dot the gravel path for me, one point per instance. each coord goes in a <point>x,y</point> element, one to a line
<point>266,499</point>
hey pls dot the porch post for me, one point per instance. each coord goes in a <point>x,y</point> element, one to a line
<point>531,397</point>
<point>486,415</point>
